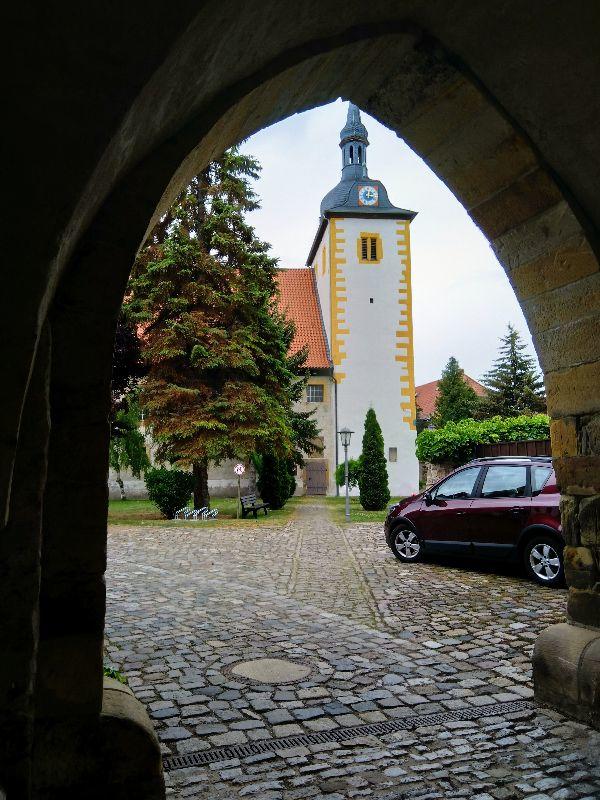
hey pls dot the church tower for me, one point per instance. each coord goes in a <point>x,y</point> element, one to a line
<point>360,258</point>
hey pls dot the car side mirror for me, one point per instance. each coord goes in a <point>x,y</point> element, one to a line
<point>428,498</point>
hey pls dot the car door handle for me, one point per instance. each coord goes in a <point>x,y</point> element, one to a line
<point>515,510</point>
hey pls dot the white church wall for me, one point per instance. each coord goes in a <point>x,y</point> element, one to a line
<point>320,266</point>
<point>372,347</point>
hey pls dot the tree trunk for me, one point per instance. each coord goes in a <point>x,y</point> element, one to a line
<point>121,486</point>
<point>201,495</point>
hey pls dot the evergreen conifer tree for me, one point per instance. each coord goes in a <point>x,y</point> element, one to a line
<point>220,382</point>
<point>513,384</point>
<point>456,400</point>
<point>373,476</point>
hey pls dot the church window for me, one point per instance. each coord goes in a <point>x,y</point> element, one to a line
<point>314,393</point>
<point>393,454</point>
<point>369,248</point>
<point>351,154</point>
<point>359,154</point>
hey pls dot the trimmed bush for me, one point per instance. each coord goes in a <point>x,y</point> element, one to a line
<point>353,473</point>
<point>274,480</point>
<point>373,476</point>
<point>455,443</point>
<point>169,489</point>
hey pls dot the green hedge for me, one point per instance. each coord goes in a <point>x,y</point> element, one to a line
<point>456,441</point>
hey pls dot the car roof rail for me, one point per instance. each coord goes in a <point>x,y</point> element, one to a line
<point>544,459</point>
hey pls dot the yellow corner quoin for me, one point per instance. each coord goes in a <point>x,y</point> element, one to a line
<point>408,402</point>
<point>369,249</point>
<point>337,286</point>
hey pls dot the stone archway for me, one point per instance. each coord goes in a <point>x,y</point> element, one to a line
<point>508,127</point>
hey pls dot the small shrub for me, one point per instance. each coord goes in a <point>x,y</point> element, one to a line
<point>456,441</point>
<point>169,489</point>
<point>274,480</point>
<point>373,476</point>
<point>353,473</point>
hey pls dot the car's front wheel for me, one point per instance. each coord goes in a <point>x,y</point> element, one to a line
<point>544,561</point>
<point>406,545</point>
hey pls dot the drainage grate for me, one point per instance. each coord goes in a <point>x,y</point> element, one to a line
<point>340,734</point>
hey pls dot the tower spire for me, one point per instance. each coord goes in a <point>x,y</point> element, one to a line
<point>354,142</point>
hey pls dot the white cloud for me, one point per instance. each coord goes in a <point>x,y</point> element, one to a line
<point>462,300</point>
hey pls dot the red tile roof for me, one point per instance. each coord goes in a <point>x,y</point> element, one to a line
<point>299,301</point>
<point>427,395</point>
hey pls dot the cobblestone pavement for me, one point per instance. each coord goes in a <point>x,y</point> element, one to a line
<point>384,641</point>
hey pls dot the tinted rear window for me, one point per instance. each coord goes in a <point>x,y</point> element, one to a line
<point>505,482</point>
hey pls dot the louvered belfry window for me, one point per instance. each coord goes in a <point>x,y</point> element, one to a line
<point>369,248</point>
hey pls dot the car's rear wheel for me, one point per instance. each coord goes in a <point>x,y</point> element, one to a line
<point>544,560</point>
<point>405,544</point>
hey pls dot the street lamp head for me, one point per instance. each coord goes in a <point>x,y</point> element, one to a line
<point>345,435</point>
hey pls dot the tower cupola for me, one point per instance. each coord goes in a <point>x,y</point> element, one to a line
<point>354,142</point>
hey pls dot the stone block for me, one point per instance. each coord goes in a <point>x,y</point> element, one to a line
<point>583,606</point>
<point>589,521</point>
<point>113,755</point>
<point>579,475</point>
<point>574,391</point>
<point>563,433</point>
<point>569,508</point>
<point>581,570</point>
<point>565,344</point>
<point>566,671</point>
<point>590,435</point>
<point>130,762</point>
<point>559,306</point>
<point>528,196</point>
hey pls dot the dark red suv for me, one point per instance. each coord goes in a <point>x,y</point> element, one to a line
<point>500,508</point>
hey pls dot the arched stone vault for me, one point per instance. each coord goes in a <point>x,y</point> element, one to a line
<point>491,99</point>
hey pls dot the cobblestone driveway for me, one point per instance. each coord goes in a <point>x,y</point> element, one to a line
<point>384,641</point>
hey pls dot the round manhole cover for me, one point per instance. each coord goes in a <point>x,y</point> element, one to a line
<point>271,670</point>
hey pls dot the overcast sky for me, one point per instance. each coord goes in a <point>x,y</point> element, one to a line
<point>462,300</point>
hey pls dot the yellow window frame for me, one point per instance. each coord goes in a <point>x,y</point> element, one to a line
<point>373,243</point>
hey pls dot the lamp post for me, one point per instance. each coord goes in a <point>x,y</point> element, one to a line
<point>345,436</point>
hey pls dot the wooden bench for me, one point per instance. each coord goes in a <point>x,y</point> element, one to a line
<point>250,506</point>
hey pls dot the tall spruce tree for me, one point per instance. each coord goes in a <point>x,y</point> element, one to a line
<point>513,385</point>
<point>220,383</point>
<point>456,400</point>
<point>373,475</point>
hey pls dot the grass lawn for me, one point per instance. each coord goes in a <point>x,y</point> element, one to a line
<point>357,512</point>
<point>143,512</point>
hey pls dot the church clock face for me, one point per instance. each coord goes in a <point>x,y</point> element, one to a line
<point>368,195</point>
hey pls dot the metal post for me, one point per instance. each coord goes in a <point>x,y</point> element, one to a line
<point>347,487</point>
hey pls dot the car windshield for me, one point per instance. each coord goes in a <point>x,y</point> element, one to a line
<point>458,486</point>
<point>505,481</point>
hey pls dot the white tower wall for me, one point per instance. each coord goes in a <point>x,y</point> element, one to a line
<point>368,318</point>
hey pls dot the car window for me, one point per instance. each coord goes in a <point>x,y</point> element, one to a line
<point>539,477</point>
<point>458,486</point>
<point>505,482</point>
